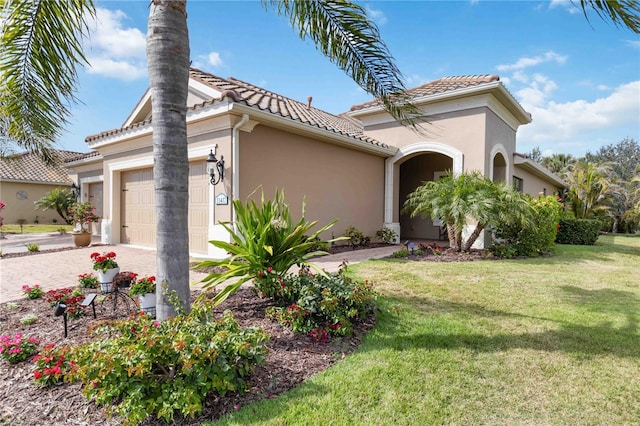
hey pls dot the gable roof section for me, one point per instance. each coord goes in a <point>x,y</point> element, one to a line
<point>28,167</point>
<point>260,99</point>
<point>451,87</point>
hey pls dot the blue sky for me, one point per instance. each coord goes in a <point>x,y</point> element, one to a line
<point>579,79</point>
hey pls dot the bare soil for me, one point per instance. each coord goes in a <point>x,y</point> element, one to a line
<point>292,358</point>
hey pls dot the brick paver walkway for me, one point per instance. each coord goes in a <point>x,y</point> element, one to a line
<point>61,269</point>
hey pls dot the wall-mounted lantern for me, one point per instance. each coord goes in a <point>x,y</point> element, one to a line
<point>75,190</point>
<point>215,167</point>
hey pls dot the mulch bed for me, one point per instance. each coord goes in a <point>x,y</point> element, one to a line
<point>292,359</point>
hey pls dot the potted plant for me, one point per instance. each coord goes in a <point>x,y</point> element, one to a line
<point>107,268</point>
<point>82,214</point>
<point>145,289</point>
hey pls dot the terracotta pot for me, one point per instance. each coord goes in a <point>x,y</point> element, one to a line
<point>81,239</point>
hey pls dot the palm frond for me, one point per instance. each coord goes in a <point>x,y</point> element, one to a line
<point>40,48</point>
<point>623,13</point>
<point>341,31</point>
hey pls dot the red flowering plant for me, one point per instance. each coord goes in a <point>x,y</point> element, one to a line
<point>88,281</point>
<point>1,207</point>
<point>82,214</point>
<point>34,292</point>
<point>52,364</point>
<point>70,297</point>
<point>143,286</point>
<point>102,262</point>
<point>17,348</point>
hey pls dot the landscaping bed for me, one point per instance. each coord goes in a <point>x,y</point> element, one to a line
<point>292,358</point>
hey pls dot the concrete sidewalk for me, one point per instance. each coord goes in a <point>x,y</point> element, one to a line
<point>61,269</point>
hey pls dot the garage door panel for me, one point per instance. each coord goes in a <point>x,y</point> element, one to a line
<point>138,208</point>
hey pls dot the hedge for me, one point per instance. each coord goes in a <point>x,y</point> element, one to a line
<point>578,231</point>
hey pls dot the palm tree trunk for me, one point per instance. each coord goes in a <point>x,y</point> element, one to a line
<point>168,62</point>
<point>451,233</point>
<point>472,238</point>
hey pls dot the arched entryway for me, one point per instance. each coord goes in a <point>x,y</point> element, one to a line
<point>407,170</point>
<point>499,169</point>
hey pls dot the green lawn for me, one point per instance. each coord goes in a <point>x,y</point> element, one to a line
<point>30,228</point>
<point>539,341</point>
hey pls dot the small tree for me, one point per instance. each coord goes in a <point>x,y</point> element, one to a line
<point>59,200</point>
<point>464,199</point>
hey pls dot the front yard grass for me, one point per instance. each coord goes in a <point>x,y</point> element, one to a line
<point>538,341</point>
<point>32,228</point>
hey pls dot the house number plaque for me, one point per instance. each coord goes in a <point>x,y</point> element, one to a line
<point>222,199</point>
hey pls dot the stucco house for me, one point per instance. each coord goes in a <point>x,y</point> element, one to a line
<point>357,167</point>
<point>24,179</point>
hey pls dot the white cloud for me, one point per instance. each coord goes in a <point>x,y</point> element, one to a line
<point>376,16</point>
<point>214,59</point>
<point>121,70</point>
<point>633,43</point>
<point>208,61</point>
<point>568,5</point>
<point>115,50</point>
<point>574,124</point>
<point>525,62</point>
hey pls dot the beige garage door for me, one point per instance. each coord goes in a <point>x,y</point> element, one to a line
<point>138,214</point>
<point>198,207</point>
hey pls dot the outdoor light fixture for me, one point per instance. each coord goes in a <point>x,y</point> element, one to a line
<point>215,166</point>
<point>61,310</point>
<point>75,190</point>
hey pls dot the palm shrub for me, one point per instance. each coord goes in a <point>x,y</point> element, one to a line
<point>467,198</point>
<point>265,238</point>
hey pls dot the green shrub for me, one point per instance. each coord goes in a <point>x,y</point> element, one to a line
<point>578,231</point>
<point>535,235</point>
<point>143,367</point>
<point>264,237</point>
<point>309,303</point>
<point>356,237</point>
<point>32,247</point>
<point>400,253</point>
<point>386,235</point>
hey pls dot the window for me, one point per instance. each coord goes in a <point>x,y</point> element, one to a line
<point>518,184</point>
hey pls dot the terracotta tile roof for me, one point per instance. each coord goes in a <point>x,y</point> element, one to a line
<point>30,168</point>
<point>443,85</point>
<point>83,156</point>
<point>264,100</point>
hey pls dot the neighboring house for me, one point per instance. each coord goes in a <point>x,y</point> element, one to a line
<point>24,179</point>
<point>357,167</point>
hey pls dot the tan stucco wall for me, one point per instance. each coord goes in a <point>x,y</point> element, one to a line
<point>25,209</point>
<point>463,130</point>
<point>533,185</point>
<point>338,183</point>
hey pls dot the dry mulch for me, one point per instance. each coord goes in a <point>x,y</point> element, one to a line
<point>292,359</point>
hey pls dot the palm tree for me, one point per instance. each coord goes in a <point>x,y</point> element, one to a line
<point>41,47</point>
<point>588,186</point>
<point>59,200</point>
<point>558,163</point>
<point>463,199</point>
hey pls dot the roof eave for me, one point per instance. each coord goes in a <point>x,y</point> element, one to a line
<point>324,134</point>
<point>502,94</point>
<point>538,170</point>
